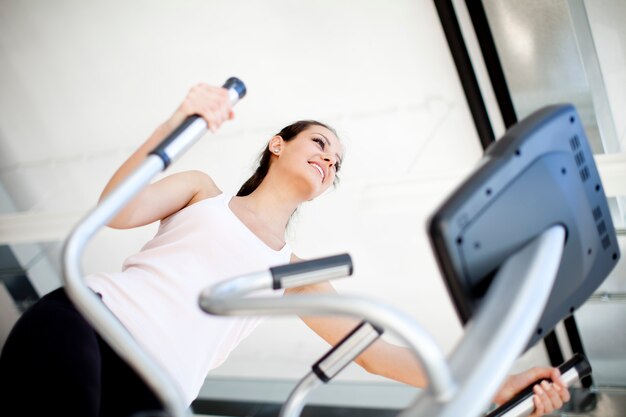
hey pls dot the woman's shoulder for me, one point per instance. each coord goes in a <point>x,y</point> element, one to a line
<point>203,184</point>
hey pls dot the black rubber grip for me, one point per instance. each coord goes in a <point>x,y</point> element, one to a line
<point>319,373</point>
<point>279,273</point>
<point>161,147</point>
<point>236,84</point>
<point>578,361</point>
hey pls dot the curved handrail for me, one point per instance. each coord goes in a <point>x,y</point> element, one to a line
<point>493,341</point>
<point>85,300</point>
<point>227,299</point>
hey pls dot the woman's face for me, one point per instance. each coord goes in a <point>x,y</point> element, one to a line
<point>311,159</point>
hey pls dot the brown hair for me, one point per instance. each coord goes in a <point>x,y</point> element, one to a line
<point>287,133</point>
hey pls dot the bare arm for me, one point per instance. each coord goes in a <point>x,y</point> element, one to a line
<point>381,358</point>
<point>172,193</point>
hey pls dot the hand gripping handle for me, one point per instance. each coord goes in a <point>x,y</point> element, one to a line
<point>522,404</point>
<point>194,127</point>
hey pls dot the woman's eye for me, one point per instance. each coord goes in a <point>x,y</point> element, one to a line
<point>319,142</point>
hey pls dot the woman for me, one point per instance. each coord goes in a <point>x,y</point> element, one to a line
<point>205,236</point>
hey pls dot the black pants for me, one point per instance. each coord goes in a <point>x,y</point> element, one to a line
<point>54,363</point>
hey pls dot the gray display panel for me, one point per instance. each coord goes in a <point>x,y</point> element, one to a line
<point>540,173</point>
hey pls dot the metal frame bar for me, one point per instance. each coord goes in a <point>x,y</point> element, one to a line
<point>498,334</point>
<point>92,308</point>
<point>223,300</point>
<point>496,337</point>
<point>87,302</point>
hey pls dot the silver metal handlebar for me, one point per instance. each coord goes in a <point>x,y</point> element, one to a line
<point>227,299</point>
<point>86,301</point>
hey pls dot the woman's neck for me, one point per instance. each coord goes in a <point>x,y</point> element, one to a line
<point>271,204</point>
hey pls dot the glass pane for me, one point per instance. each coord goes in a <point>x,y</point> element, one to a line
<point>540,58</point>
<point>567,51</point>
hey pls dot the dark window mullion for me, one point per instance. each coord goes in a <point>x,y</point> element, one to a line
<point>465,70</point>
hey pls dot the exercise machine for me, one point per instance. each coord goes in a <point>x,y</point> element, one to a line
<point>521,244</point>
<point>509,286</point>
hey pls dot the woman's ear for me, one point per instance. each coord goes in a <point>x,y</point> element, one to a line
<point>275,144</point>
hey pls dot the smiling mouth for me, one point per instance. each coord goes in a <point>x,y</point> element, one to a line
<point>321,171</point>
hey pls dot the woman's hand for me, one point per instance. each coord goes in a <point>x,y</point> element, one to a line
<point>209,102</point>
<point>549,396</point>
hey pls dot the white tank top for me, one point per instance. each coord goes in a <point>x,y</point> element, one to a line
<point>156,294</point>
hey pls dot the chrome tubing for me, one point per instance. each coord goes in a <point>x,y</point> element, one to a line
<point>500,331</point>
<point>495,338</point>
<point>230,298</point>
<point>86,301</point>
<point>297,399</point>
<point>333,362</point>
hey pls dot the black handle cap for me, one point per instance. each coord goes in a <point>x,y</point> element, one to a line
<point>237,85</point>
